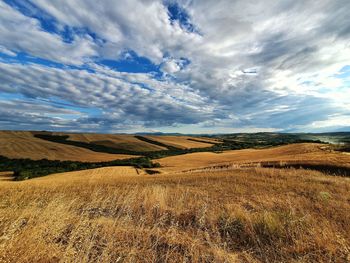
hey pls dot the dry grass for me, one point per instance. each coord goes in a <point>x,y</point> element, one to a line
<point>91,175</point>
<point>115,215</point>
<point>119,141</point>
<point>120,214</point>
<point>24,145</point>
<point>183,142</point>
<point>303,152</point>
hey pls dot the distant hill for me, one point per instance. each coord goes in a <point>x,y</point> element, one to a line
<point>89,147</point>
<point>22,144</point>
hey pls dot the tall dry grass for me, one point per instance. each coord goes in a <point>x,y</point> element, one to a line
<point>253,215</point>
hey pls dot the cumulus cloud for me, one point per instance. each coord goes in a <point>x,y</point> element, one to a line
<point>142,26</point>
<point>21,114</point>
<point>170,66</point>
<point>121,97</point>
<point>19,33</point>
<point>230,64</point>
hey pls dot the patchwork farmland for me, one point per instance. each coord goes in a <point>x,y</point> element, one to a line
<point>205,206</point>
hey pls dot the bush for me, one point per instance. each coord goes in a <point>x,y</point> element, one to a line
<point>26,168</point>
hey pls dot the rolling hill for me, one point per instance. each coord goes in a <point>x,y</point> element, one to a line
<point>16,144</point>
<point>183,142</point>
<point>89,147</point>
<point>120,141</point>
<point>119,215</point>
<point>224,206</point>
<point>297,153</point>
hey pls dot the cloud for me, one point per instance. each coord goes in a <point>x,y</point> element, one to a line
<point>267,64</point>
<point>121,97</point>
<point>142,26</point>
<point>170,66</point>
<point>19,33</point>
<point>7,51</point>
<point>21,114</point>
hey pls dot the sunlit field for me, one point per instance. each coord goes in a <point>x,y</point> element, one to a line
<point>14,144</point>
<point>123,215</point>
<point>174,131</point>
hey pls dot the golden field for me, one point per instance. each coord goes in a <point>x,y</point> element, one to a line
<point>301,152</point>
<point>183,142</point>
<point>23,144</point>
<point>120,141</point>
<point>17,144</point>
<point>120,215</point>
<point>187,213</point>
<point>130,142</point>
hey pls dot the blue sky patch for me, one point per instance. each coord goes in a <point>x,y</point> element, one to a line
<point>344,72</point>
<point>131,63</point>
<point>47,22</point>
<point>179,14</point>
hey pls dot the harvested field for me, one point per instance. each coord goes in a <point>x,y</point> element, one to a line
<point>91,175</point>
<point>202,207</point>
<point>102,215</point>
<point>15,144</point>
<point>118,141</point>
<point>184,142</point>
<point>304,152</point>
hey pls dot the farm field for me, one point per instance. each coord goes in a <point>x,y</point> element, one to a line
<point>174,131</point>
<point>15,144</point>
<point>195,207</point>
<point>120,141</point>
<point>184,142</point>
<point>24,144</point>
<point>118,215</point>
<point>91,175</point>
<point>303,153</point>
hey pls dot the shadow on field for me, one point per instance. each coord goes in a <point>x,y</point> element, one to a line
<point>324,168</point>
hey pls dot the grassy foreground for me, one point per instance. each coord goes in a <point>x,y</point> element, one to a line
<point>253,215</point>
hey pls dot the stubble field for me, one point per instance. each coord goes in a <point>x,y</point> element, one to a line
<point>200,207</point>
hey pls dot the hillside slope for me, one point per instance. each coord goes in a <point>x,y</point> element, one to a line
<point>183,142</point>
<point>303,152</point>
<point>16,144</point>
<point>118,141</point>
<point>115,215</point>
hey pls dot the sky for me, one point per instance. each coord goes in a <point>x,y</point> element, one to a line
<point>188,66</point>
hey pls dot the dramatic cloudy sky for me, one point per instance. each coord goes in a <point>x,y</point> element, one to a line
<point>175,66</point>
